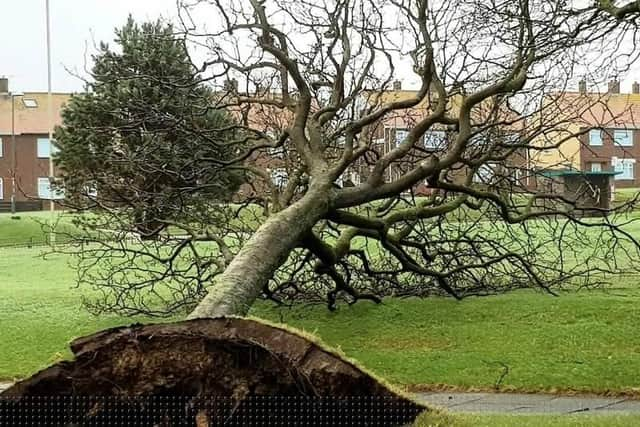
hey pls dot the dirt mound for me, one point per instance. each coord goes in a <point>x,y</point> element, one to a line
<point>225,371</point>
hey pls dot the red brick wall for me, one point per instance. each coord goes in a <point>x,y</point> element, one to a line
<point>28,167</point>
<point>603,154</point>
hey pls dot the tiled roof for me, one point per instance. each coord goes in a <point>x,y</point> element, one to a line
<point>30,120</point>
<point>618,110</point>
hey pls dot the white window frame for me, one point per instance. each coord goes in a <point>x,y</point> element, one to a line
<point>355,178</point>
<point>596,167</point>
<point>45,152</point>
<point>400,131</point>
<point>1,188</point>
<point>485,173</point>
<point>279,177</point>
<point>1,148</point>
<point>434,139</point>
<point>91,191</point>
<point>595,137</point>
<point>625,166</point>
<point>44,188</point>
<point>30,102</point>
<point>46,193</point>
<point>517,175</point>
<point>623,137</point>
<point>276,151</point>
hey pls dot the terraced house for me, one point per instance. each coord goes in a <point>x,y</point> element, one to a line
<point>599,134</point>
<point>25,149</point>
<point>390,131</point>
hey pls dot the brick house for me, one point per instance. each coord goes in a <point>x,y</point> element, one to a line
<point>600,133</point>
<point>393,128</point>
<point>25,149</point>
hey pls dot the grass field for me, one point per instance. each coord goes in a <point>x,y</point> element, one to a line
<point>585,341</point>
<point>27,228</point>
<point>501,420</point>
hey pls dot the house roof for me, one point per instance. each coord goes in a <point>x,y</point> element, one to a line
<point>613,110</point>
<point>31,120</point>
<point>409,116</point>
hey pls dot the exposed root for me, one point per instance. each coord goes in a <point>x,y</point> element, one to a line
<point>224,371</point>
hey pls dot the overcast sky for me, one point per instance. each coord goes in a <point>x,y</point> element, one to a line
<point>74,26</point>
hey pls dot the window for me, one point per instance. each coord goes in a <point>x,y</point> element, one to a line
<point>596,167</point>
<point>279,177</point>
<point>275,151</point>
<point>511,138</point>
<point>1,189</point>
<point>355,178</point>
<point>434,139</point>
<point>625,166</point>
<point>30,102</point>
<point>595,137</point>
<point>517,175</point>
<point>44,190</point>
<point>484,173</point>
<point>623,137</point>
<point>90,191</point>
<point>45,148</point>
<point>1,148</point>
<point>401,135</point>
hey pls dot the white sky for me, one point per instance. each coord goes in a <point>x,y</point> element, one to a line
<point>75,24</point>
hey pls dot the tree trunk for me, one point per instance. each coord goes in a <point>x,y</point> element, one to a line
<point>237,288</point>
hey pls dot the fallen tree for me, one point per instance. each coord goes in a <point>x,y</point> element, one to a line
<point>354,187</point>
<point>214,371</point>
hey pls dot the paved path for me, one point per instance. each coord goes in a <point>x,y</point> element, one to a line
<point>518,403</point>
<point>528,403</point>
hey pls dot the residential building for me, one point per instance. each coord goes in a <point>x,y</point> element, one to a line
<point>594,133</point>
<point>25,149</point>
<point>390,131</point>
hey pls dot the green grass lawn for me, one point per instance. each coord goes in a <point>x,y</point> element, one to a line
<point>26,228</point>
<point>40,312</point>
<point>502,420</point>
<point>585,341</point>
<point>580,341</point>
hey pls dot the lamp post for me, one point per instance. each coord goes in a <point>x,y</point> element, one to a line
<point>50,119</point>
<point>13,152</point>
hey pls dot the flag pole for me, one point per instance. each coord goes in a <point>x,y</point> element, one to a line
<point>50,121</point>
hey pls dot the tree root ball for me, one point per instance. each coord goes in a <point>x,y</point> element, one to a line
<point>205,372</point>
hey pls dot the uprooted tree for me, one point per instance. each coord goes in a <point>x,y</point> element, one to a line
<point>353,187</point>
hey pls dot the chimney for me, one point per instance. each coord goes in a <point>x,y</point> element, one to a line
<point>582,87</point>
<point>4,85</point>
<point>397,85</point>
<point>231,85</point>
<point>635,87</point>
<point>614,86</point>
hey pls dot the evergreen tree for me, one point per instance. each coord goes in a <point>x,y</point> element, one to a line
<point>146,137</point>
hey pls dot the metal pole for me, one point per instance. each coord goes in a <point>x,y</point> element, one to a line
<point>50,117</point>
<point>13,155</point>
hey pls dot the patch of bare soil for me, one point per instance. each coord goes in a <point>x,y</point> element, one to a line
<point>204,372</point>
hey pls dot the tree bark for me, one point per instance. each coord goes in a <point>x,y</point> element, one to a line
<point>237,288</point>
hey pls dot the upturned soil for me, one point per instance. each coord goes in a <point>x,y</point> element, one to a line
<point>205,372</point>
